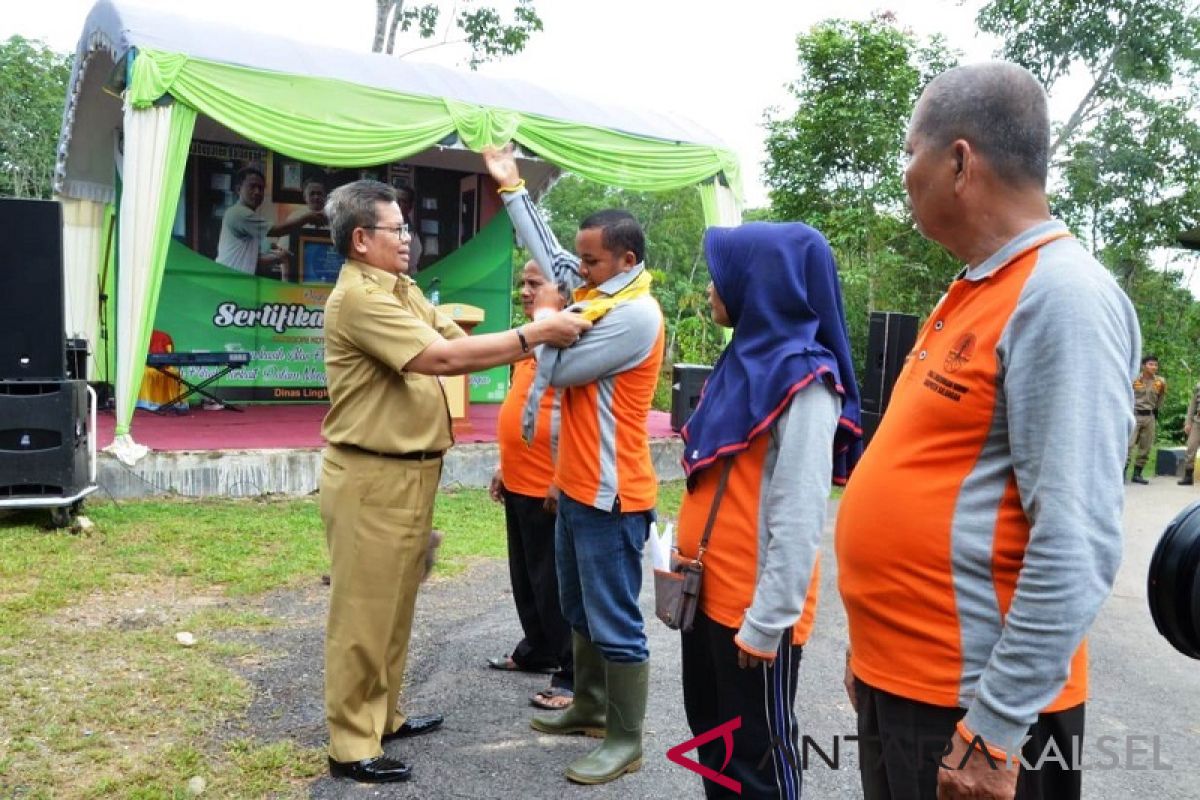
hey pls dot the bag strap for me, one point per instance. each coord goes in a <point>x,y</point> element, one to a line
<point>716,503</point>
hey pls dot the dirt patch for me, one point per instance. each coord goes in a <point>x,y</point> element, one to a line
<point>141,603</point>
<point>285,667</point>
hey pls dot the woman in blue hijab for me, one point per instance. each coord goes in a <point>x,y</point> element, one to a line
<point>778,421</point>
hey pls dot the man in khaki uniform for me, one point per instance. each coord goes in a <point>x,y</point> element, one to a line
<point>1192,429</point>
<point>1148,393</point>
<point>387,428</point>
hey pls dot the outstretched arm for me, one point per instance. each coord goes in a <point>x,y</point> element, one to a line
<point>473,353</point>
<point>559,265</point>
<point>297,221</point>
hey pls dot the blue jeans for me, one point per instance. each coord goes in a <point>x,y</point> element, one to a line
<point>599,559</point>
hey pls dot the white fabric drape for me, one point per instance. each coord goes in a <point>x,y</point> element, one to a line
<point>719,204</point>
<point>147,143</point>
<point>729,211</point>
<point>83,232</point>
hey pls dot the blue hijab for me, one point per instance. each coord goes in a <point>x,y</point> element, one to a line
<point>780,286</point>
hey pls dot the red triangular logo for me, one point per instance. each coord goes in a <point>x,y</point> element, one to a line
<point>725,731</point>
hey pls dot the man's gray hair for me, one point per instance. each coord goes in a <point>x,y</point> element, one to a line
<point>1000,108</point>
<point>355,205</point>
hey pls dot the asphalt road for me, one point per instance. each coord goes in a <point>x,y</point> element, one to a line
<point>1143,692</point>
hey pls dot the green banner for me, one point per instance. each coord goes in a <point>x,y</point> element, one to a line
<point>480,273</point>
<point>207,307</point>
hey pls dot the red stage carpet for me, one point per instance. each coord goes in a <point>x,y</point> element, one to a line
<point>280,426</point>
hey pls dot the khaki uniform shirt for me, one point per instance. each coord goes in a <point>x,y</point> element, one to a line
<point>375,323</point>
<point>1148,394</point>
<point>1193,409</point>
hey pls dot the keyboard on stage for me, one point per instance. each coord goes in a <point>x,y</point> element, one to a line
<point>179,359</point>
<point>224,361</point>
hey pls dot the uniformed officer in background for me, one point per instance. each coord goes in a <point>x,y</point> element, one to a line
<point>1149,390</point>
<point>1192,430</point>
<point>387,428</point>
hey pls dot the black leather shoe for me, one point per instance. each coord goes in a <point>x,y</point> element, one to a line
<point>415,726</point>
<point>380,769</point>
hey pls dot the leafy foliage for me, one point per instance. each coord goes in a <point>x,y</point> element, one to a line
<point>1170,319</point>
<point>835,163</point>
<point>1121,45</point>
<point>481,28</point>
<point>33,88</point>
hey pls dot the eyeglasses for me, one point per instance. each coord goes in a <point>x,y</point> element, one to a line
<point>399,230</point>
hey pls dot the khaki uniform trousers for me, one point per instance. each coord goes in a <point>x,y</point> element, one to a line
<point>1193,444</point>
<point>1143,439</point>
<point>377,512</point>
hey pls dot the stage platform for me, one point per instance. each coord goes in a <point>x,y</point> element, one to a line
<point>262,427</point>
<point>276,449</point>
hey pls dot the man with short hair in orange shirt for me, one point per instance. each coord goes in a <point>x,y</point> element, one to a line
<point>524,483</point>
<point>981,532</point>
<point>603,468</point>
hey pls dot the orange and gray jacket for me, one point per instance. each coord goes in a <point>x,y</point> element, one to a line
<point>608,380</point>
<point>981,532</point>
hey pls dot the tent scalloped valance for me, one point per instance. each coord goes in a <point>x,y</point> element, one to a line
<point>336,123</point>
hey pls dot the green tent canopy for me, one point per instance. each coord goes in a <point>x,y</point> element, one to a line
<point>145,82</point>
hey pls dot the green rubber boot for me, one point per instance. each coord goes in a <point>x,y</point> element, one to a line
<point>586,713</point>
<point>621,752</point>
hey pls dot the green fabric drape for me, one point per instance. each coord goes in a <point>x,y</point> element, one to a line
<point>708,202</point>
<point>174,159</point>
<point>333,122</point>
<point>106,269</point>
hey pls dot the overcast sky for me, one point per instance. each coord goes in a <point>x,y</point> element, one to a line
<point>720,64</point>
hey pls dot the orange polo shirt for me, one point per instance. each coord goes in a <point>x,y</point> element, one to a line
<point>525,469</point>
<point>731,559</point>
<point>917,509</point>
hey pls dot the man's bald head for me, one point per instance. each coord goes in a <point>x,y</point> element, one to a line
<point>1000,109</point>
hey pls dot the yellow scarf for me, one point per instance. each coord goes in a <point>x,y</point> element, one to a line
<point>595,304</point>
<point>599,303</point>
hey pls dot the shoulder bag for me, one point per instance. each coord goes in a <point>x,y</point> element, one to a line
<point>677,591</point>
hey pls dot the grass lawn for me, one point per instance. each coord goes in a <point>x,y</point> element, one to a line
<point>100,700</point>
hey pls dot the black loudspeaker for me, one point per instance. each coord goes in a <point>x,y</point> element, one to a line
<point>687,380</point>
<point>31,305</point>
<point>77,354</point>
<point>1170,461</point>
<point>43,439</point>
<point>890,338</point>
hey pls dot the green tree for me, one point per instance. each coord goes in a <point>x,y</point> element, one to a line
<point>1119,45</point>
<point>482,29</point>
<point>1170,320</point>
<point>836,162</point>
<point>1131,183</point>
<point>33,88</point>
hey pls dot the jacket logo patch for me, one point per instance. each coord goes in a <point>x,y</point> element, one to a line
<point>960,354</point>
